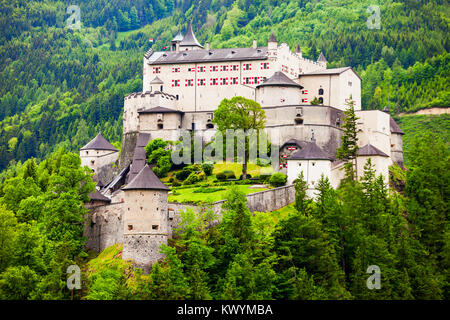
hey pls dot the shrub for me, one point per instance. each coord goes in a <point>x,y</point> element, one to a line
<point>193,178</point>
<point>208,190</point>
<point>202,176</point>
<point>264,178</point>
<point>248,176</point>
<point>229,174</point>
<point>221,176</point>
<point>208,168</point>
<point>278,179</point>
<point>176,183</point>
<point>184,173</point>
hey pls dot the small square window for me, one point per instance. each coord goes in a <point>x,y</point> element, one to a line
<point>155,227</point>
<point>130,227</point>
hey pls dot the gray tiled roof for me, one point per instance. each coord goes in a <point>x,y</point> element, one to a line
<point>146,179</point>
<point>394,126</point>
<point>159,110</point>
<point>279,79</point>
<point>298,143</point>
<point>178,37</point>
<point>97,196</point>
<point>139,156</point>
<point>370,150</point>
<point>99,143</point>
<point>212,55</point>
<point>189,38</point>
<point>272,38</point>
<point>310,152</point>
<point>321,57</point>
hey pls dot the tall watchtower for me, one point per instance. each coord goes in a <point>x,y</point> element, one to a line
<point>145,219</point>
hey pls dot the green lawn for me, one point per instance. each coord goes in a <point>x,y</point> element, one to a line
<point>188,195</point>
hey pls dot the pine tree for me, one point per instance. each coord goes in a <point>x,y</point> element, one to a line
<point>348,150</point>
<point>302,203</point>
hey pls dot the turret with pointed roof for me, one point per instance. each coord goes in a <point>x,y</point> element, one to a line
<point>298,50</point>
<point>189,39</point>
<point>272,38</point>
<point>321,58</point>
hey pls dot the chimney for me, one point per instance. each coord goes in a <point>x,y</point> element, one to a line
<point>254,44</point>
<point>207,46</point>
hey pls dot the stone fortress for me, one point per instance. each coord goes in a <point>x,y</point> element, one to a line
<point>182,88</point>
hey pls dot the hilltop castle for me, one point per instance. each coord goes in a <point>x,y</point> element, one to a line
<point>182,88</point>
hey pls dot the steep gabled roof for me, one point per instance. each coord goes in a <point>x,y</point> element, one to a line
<point>99,143</point>
<point>97,196</point>
<point>146,179</point>
<point>279,79</point>
<point>370,150</point>
<point>159,110</point>
<point>189,38</point>
<point>139,155</point>
<point>310,152</point>
<point>394,126</point>
<point>272,38</point>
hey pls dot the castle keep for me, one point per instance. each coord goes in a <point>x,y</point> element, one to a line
<point>182,88</point>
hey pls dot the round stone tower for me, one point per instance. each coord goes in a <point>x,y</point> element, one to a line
<point>98,153</point>
<point>145,219</point>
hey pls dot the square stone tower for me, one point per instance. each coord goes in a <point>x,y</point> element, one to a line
<point>145,219</point>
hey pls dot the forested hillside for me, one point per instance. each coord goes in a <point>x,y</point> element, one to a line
<point>59,86</point>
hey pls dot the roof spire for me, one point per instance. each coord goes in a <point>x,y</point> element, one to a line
<point>321,58</point>
<point>298,49</point>
<point>189,39</point>
<point>272,38</point>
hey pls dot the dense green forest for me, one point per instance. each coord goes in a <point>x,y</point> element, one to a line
<point>60,86</point>
<point>309,250</point>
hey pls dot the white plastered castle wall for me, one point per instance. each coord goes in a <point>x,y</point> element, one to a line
<point>278,96</point>
<point>96,159</point>
<point>381,165</point>
<point>374,128</point>
<point>312,172</point>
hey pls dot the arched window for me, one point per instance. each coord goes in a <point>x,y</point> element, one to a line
<point>321,100</point>
<point>320,91</point>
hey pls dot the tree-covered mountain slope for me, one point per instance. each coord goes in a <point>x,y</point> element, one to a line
<point>59,86</point>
